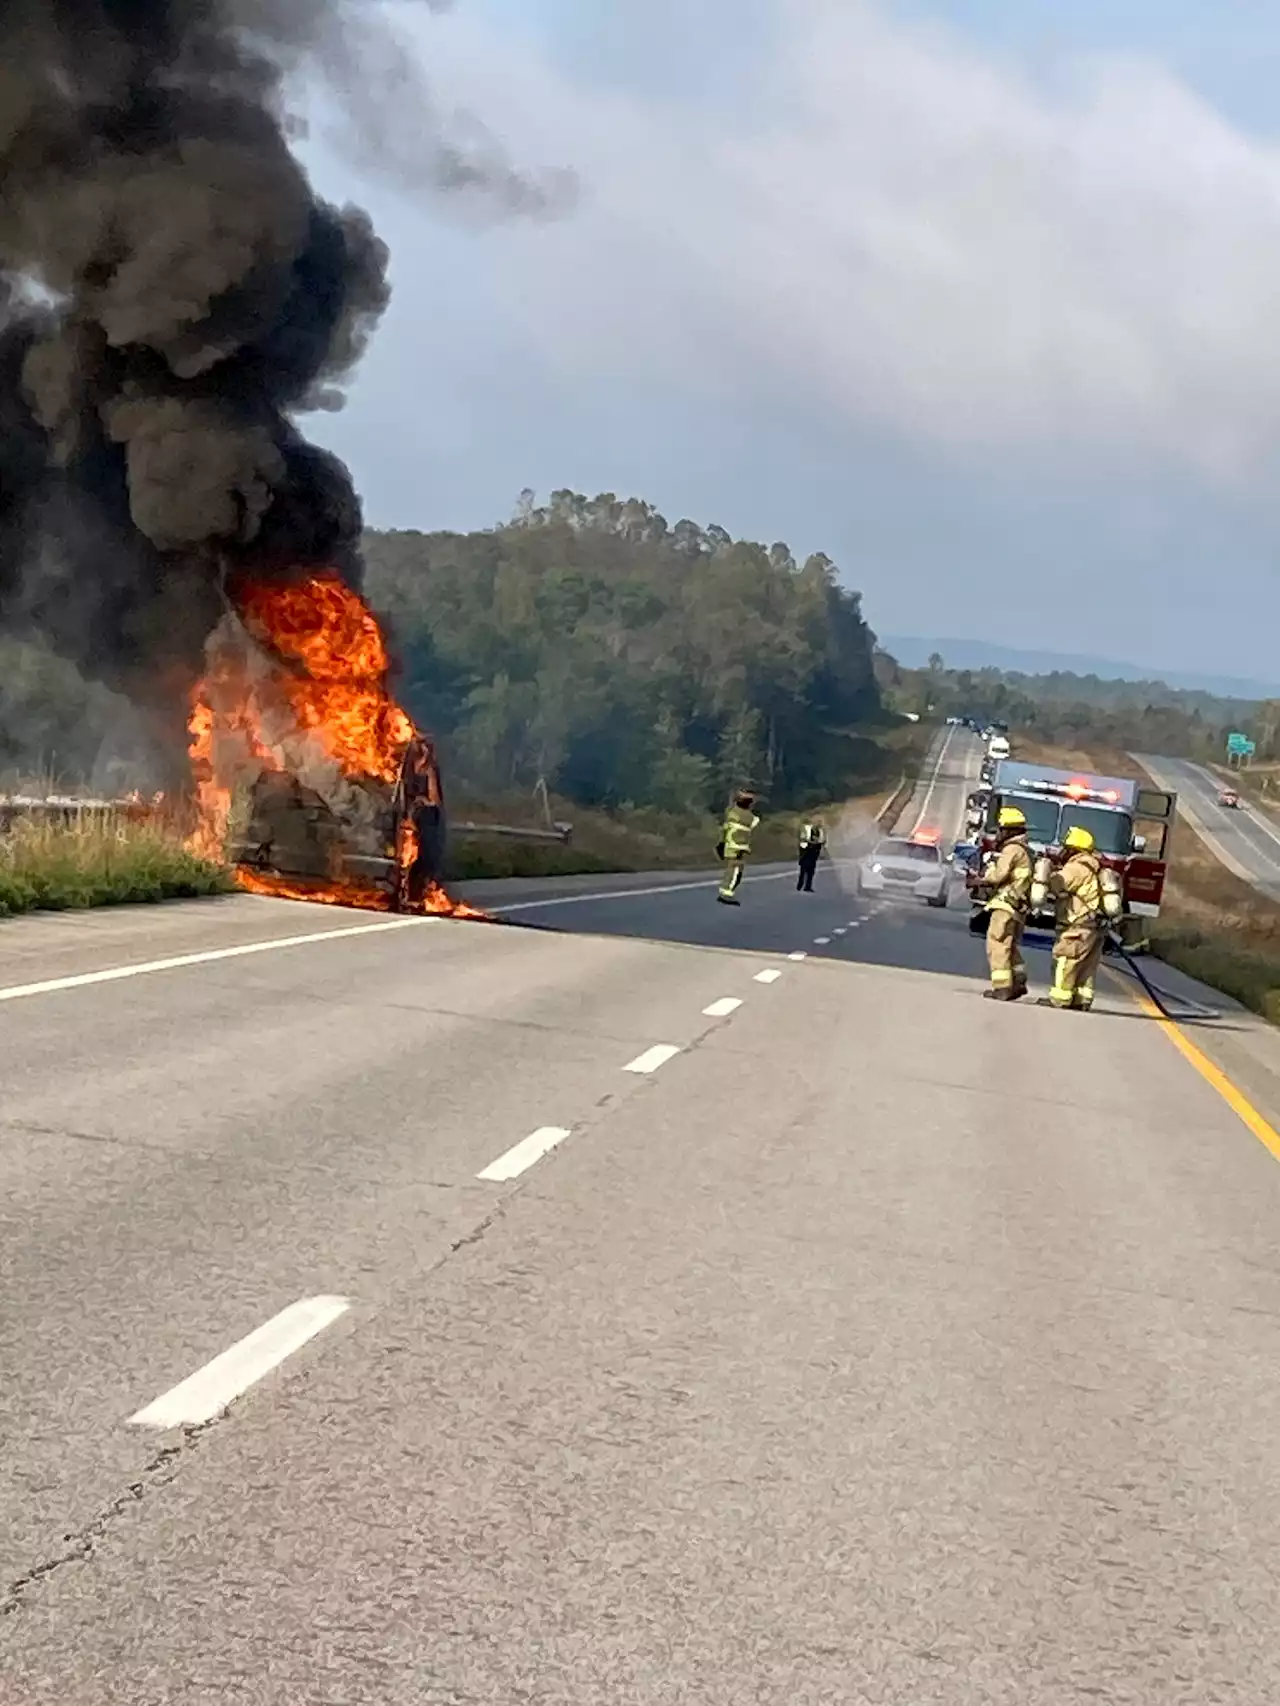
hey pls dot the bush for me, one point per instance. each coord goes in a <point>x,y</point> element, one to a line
<point>476,860</point>
<point>104,862</point>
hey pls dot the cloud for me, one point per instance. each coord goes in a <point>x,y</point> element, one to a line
<point>883,225</point>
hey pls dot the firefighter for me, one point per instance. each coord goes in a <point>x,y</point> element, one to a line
<point>1008,883</point>
<point>813,838</point>
<point>1088,898</point>
<point>735,845</point>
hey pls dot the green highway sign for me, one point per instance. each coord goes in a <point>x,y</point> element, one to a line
<point>1237,742</point>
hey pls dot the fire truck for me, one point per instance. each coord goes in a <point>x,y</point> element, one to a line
<point>1131,824</point>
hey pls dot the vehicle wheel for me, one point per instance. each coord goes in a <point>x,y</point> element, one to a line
<point>939,900</point>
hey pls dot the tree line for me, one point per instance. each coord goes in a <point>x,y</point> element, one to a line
<point>1063,709</point>
<point>589,647</point>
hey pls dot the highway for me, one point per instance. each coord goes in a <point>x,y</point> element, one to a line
<point>1246,841</point>
<point>652,1302</point>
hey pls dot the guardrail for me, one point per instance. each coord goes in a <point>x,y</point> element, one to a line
<point>70,808</point>
<point>560,833</point>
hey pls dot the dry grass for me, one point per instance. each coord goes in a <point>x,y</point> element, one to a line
<point>103,861</point>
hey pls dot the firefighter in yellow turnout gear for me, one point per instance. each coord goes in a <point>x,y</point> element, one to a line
<point>1009,884</point>
<point>1088,899</point>
<point>735,845</point>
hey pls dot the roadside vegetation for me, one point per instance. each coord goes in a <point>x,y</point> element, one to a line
<point>1218,928</point>
<point>103,861</point>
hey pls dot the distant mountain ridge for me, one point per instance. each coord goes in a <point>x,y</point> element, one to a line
<point>913,653</point>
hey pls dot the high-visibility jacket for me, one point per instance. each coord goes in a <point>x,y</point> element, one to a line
<point>812,835</point>
<point>736,833</point>
<point>1010,878</point>
<point>1077,887</point>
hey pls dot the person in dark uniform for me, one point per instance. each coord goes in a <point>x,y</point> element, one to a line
<point>813,838</point>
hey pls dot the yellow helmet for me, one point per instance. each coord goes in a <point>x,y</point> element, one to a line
<point>1011,818</point>
<point>1078,838</point>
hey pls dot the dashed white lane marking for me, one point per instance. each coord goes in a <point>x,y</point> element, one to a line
<point>768,976</point>
<point>721,1009</point>
<point>523,1154</point>
<point>16,991</point>
<point>205,1394</point>
<point>797,956</point>
<point>822,941</point>
<point>652,1058</point>
<point>841,930</point>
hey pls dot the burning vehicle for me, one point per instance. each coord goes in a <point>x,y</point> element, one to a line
<point>174,298</point>
<point>310,777</point>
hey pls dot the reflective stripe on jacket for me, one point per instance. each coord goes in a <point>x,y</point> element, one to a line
<point>1078,890</point>
<point>1010,878</point>
<point>738,825</point>
<point>812,835</point>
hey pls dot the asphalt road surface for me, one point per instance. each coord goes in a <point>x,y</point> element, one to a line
<point>668,1303</point>
<point>1246,841</point>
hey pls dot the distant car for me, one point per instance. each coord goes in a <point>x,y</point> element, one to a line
<point>1228,797</point>
<point>914,869</point>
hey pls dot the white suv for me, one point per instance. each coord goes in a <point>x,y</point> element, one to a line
<point>914,869</point>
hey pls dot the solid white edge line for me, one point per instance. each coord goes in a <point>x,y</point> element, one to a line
<point>933,780</point>
<point>721,1009</point>
<point>207,1393</point>
<point>522,1155</point>
<point>627,894</point>
<point>652,1058</point>
<point>81,980</point>
<point>768,976</point>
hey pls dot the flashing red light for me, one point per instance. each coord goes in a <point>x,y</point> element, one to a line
<point>926,837</point>
<point>1110,795</point>
<point>1076,790</point>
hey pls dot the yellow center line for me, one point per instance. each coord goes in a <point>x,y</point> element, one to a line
<point>1235,1099</point>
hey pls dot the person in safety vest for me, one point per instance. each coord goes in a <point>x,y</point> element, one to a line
<point>1008,889</point>
<point>813,838</point>
<point>735,845</point>
<point>1088,898</point>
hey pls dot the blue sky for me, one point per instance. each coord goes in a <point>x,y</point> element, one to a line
<point>983,299</point>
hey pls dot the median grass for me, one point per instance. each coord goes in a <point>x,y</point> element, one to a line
<point>1216,927</point>
<point>105,861</point>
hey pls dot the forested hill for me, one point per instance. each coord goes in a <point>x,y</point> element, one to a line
<point>624,660</point>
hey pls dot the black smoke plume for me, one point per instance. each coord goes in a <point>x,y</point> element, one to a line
<point>172,294</point>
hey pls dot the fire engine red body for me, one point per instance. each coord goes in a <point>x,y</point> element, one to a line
<point>1130,822</point>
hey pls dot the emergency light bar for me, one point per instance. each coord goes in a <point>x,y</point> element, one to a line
<point>1073,790</point>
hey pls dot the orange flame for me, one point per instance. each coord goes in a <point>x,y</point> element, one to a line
<point>322,684</point>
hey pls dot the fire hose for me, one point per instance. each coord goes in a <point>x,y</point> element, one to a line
<point>1161,997</point>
